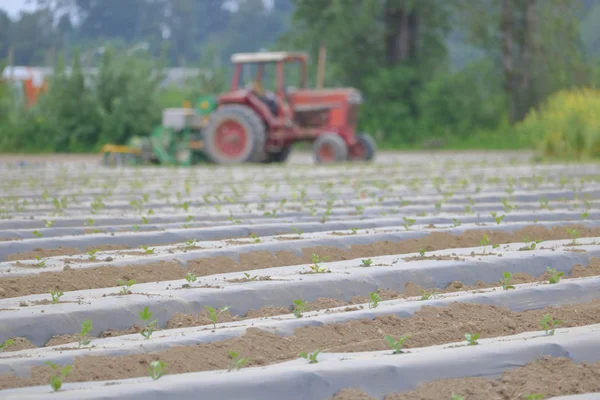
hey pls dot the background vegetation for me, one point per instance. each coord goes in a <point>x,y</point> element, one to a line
<point>454,73</point>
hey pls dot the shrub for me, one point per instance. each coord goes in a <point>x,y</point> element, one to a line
<point>567,125</point>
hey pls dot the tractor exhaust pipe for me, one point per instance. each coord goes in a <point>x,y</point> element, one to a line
<point>321,67</point>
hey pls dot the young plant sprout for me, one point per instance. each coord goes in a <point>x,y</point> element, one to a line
<point>425,295</point>
<point>49,224</point>
<point>297,231</point>
<point>408,223</point>
<point>190,243</point>
<point>37,234</point>
<point>457,397</point>
<point>6,343</point>
<point>214,314</point>
<point>506,281</point>
<point>354,230</point>
<point>250,277</point>
<point>316,267</point>
<point>56,295</point>
<point>145,220</point>
<point>472,338</point>
<point>40,263</point>
<point>375,299</point>
<point>145,316</point>
<point>367,262</point>
<point>310,357</point>
<point>497,218</point>
<point>255,237</point>
<point>422,252</point>
<point>574,235</point>
<point>533,396</point>
<point>86,326</point>
<point>190,277</point>
<point>396,344</point>
<point>147,250</point>
<point>60,374</point>
<point>456,222</point>
<point>125,286</point>
<point>236,361</point>
<point>549,324</point>
<point>485,241</point>
<point>554,276</point>
<point>300,306</point>
<point>92,254</point>
<point>157,369</point>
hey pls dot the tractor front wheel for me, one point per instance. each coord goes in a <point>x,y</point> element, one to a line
<point>363,150</point>
<point>235,134</point>
<point>330,148</point>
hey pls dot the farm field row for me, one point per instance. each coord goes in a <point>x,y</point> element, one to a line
<point>476,278</point>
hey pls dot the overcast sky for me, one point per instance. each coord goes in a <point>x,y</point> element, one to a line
<point>14,6</point>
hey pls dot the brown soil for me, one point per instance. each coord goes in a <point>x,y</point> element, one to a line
<point>548,377</point>
<point>427,327</point>
<point>64,339</point>
<point>61,251</point>
<point>107,276</point>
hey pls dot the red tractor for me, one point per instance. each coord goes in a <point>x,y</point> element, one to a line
<point>254,125</point>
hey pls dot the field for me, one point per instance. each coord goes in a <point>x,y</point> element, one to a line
<point>421,276</point>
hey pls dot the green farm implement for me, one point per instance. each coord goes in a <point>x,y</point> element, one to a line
<point>177,141</point>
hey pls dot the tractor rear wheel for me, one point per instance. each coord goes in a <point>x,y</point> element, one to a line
<point>363,150</point>
<point>280,156</point>
<point>330,148</point>
<point>235,134</point>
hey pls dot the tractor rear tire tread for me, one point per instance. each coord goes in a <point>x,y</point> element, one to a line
<point>245,115</point>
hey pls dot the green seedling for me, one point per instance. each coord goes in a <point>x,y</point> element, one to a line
<point>472,338</point>
<point>457,397</point>
<point>145,316</point>
<point>297,231</point>
<point>425,295</point>
<point>533,396</point>
<point>89,222</point>
<point>190,277</point>
<point>190,243</point>
<point>37,234</point>
<point>585,215</point>
<point>574,235</point>
<point>6,343</point>
<point>125,285</point>
<point>422,252</point>
<point>92,254</point>
<point>300,306</point>
<point>59,375</point>
<point>544,204</point>
<point>354,230</point>
<point>485,241</point>
<point>506,281</point>
<point>396,344</point>
<point>40,263</point>
<point>157,369</point>
<point>49,224</point>
<point>375,299</point>
<point>236,361</point>
<point>250,277</point>
<point>56,295</point>
<point>310,357</point>
<point>549,324</point>
<point>408,223</point>
<point>554,276</point>
<point>456,222</point>
<point>316,267</point>
<point>135,227</point>
<point>468,209</point>
<point>86,326</point>
<point>497,218</point>
<point>367,262</point>
<point>147,250</point>
<point>145,220</point>
<point>214,314</point>
<point>255,237</point>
